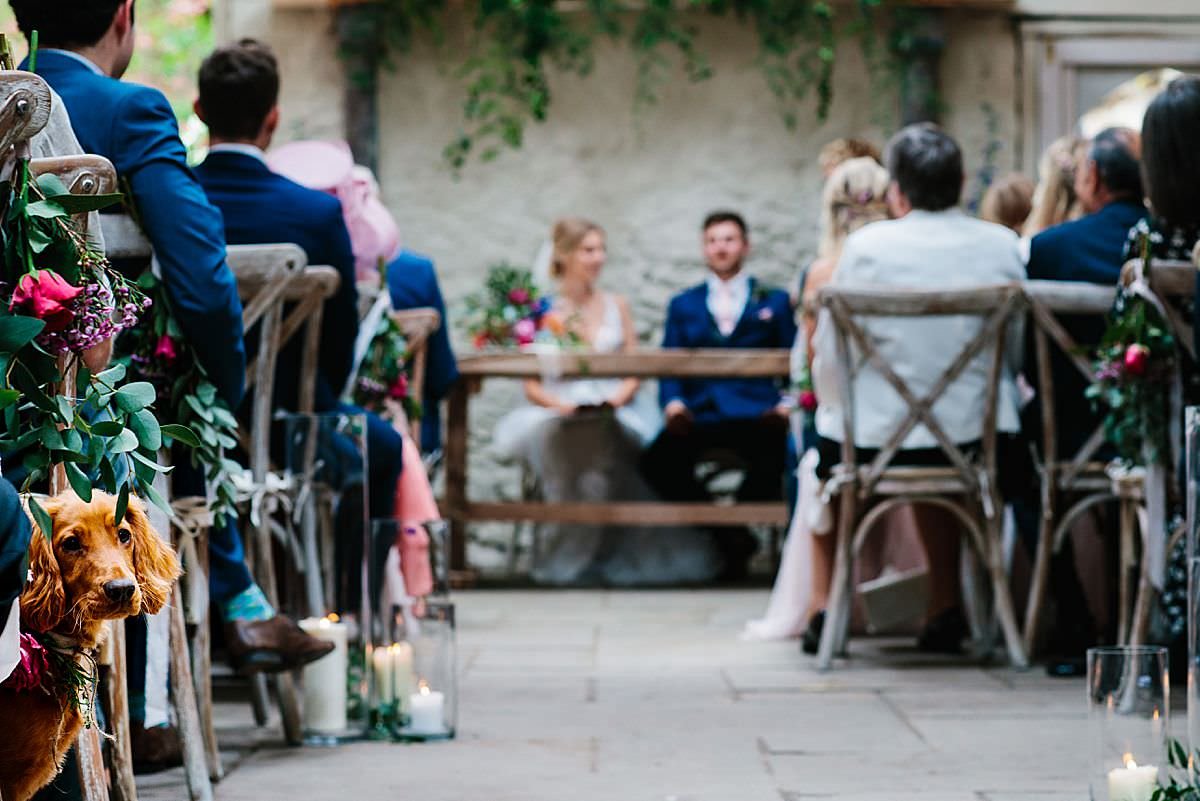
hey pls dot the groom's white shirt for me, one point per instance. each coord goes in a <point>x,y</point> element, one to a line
<point>923,250</point>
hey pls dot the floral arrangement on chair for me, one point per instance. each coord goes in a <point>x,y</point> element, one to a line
<point>59,298</point>
<point>383,378</point>
<point>512,313</point>
<point>1133,374</point>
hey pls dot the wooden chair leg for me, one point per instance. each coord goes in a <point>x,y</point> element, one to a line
<point>289,708</point>
<point>124,788</point>
<point>201,650</point>
<point>837,613</point>
<point>1003,598</point>
<point>1127,562</point>
<point>260,700</point>
<point>93,779</point>
<point>183,698</point>
<point>1041,575</point>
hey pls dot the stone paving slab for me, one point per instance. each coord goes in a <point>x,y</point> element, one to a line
<point>652,696</point>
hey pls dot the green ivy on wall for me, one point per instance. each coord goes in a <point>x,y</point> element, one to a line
<point>516,44</point>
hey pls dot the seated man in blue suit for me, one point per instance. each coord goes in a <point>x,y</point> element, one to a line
<point>745,416</point>
<point>86,48</point>
<point>1108,184</point>
<point>413,284</point>
<point>239,93</point>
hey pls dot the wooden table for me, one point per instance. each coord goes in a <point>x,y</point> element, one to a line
<point>648,363</point>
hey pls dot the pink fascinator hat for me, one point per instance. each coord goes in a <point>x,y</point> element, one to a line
<point>329,167</point>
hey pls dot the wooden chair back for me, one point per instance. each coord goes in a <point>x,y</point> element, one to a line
<point>1048,301</point>
<point>1171,281</point>
<point>994,306</point>
<point>418,326</point>
<point>25,102</point>
<point>308,291</point>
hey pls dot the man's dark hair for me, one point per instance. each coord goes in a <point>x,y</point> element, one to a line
<point>65,23</point>
<point>1170,157</point>
<point>1113,151</point>
<point>239,85</point>
<point>718,217</point>
<point>927,164</point>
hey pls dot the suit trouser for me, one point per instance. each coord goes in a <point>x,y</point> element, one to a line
<point>670,462</point>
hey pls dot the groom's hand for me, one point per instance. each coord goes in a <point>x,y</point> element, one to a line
<point>679,418</point>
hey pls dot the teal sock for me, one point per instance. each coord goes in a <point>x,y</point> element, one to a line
<point>249,604</point>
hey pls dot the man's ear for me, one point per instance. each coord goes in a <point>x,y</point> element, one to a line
<point>199,109</point>
<point>269,126</point>
<point>123,19</point>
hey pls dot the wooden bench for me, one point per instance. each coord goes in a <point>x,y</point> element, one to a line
<point>648,363</point>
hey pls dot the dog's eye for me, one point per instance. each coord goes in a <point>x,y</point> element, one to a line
<point>124,536</point>
<point>71,545</point>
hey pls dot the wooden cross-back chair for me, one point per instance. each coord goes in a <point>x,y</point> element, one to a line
<point>1072,484</point>
<point>418,326</point>
<point>1172,283</point>
<point>966,487</point>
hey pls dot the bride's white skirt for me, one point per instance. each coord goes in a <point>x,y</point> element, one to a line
<point>594,457</point>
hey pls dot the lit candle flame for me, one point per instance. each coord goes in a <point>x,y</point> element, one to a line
<point>1129,763</point>
<point>332,617</point>
<point>424,687</point>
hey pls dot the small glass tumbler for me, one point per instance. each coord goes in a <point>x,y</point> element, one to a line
<point>432,707</point>
<point>1128,708</point>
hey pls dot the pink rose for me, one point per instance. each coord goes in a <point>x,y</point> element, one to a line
<point>33,667</point>
<point>525,330</point>
<point>165,349</point>
<point>46,295</point>
<point>519,296</point>
<point>399,388</point>
<point>808,400</point>
<point>1136,359</point>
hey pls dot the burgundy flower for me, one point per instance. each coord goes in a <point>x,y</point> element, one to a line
<point>519,296</point>
<point>808,400</point>
<point>165,349</point>
<point>1136,359</point>
<point>33,667</point>
<point>399,388</point>
<point>46,295</point>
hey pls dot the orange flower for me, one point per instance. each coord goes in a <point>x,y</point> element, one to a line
<point>554,322</point>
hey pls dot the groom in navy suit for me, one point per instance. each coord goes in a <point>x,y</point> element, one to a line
<point>747,416</point>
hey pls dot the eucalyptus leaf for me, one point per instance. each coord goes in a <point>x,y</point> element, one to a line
<point>122,505</point>
<point>108,475</point>
<point>107,428</point>
<point>8,397</point>
<point>204,412</point>
<point>81,204</point>
<point>51,437</point>
<point>124,442</point>
<point>157,499</point>
<point>46,209</point>
<point>151,463</point>
<point>17,331</point>
<point>79,482</point>
<point>112,375</point>
<point>42,518</point>
<point>181,434</point>
<point>144,424</point>
<point>134,397</point>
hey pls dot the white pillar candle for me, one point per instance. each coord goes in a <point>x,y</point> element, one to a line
<point>393,666</point>
<point>426,711</point>
<point>1133,782</point>
<point>325,679</point>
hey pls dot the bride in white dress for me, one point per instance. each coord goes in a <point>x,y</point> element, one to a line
<point>582,440</point>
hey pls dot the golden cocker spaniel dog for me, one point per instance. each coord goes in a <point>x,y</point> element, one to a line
<point>92,569</point>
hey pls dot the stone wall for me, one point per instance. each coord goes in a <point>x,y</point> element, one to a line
<point>648,176</point>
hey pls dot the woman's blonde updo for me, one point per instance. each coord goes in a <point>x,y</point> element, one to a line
<point>854,195</point>
<point>1054,200</point>
<point>567,236</point>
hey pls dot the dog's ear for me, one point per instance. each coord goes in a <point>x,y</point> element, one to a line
<point>43,601</point>
<point>154,561</point>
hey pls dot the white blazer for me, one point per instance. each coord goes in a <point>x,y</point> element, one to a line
<point>923,250</point>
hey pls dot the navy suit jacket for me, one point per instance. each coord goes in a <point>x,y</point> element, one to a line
<point>1087,250</point>
<point>766,322</point>
<point>413,284</point>
<point>262,207</point>
<point>134,127</point>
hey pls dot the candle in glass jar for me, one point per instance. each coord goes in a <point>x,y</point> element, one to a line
<point>393,666</point>
<point>325,679</point>
<point>426,710</point>
<point>1133,782</point>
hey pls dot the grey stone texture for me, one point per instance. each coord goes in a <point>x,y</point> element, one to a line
<point>631,696</point>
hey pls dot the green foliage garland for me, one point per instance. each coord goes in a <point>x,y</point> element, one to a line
<point>516,43</point>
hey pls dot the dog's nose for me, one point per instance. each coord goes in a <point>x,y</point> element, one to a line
<point>119,591</point>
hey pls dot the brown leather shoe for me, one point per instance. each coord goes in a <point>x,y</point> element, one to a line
<point>271,646</point>
<point>155,749</point>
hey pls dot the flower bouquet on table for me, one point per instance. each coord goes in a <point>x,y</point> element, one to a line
<point>512,313</point>
<point>382,383</point>
<point>61,303</point>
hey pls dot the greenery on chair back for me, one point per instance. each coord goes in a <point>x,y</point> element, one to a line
<point>58,299</point>
<point>516,43</point>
